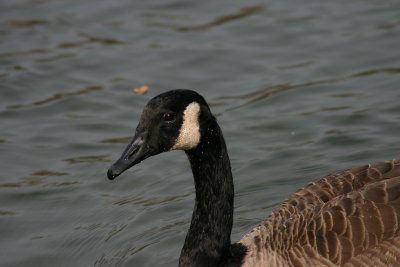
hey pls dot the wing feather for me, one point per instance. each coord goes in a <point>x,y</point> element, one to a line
<point>349,218</point>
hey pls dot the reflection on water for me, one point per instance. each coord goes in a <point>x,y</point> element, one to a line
<point>88,159</point>
<point>346,95</point>
<point>277,148</point>
<point>36,181</point>
<point>57,97</point>
<point>324,110</point>
<point>26,181</point>
<point>295,66</point>
<point>115,231</point>
<point>23,53</point>
<point>121,140</point>
<point>91,227</point>
<point>242,13</point>
<point>298,19</point>
<point>2,212</point>
<point>77,116</point>
<point>56,57</point>
<point>90,39</point>
<point>49,173</point>
<point>300,91</point>
<point>58,184</point>
<point>121,255</point>
<point>335,131</point>
<point>27,23</point>
<point>7,185</point>
<point>142,201</point>
<point>32,181</point>
<point>37,237</point>
<point>269,91</point>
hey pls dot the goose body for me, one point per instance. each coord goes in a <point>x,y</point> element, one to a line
<point>349,218</point>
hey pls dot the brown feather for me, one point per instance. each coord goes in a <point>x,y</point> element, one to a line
<point>349,218</point>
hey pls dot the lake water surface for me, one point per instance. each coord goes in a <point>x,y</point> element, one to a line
<point>301,89</point>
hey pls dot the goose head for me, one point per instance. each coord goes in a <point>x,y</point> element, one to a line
<point>174,120</point>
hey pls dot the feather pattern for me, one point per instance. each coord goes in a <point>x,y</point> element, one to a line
<point>350,218</point>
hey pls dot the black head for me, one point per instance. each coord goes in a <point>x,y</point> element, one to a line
<point>172,120</point>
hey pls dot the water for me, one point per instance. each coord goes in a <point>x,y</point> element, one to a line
<point>301,90</point>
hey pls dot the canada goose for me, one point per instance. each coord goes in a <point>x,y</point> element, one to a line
<point>349,218</point>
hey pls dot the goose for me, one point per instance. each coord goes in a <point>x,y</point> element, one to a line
<point>349,218</point>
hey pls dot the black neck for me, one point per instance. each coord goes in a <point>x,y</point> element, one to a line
<point>208,240</point>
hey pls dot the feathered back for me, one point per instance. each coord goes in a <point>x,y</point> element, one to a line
<point>349,218</point>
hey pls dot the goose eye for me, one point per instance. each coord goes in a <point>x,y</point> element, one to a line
<point>169,117</point>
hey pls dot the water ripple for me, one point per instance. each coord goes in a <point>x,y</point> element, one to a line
<point>91,39</point>
<point>3,212</point>
<point>121,140</point>
<point>22,53</point>
<point>49,173</point>
<point>88,159</point>
<point>266,92</point>
<point>54,58</point>
<point>295,66</point>
<point>324,110</point>
<point>148,202</point>
<point>56,97</point>
<point>297,19</point>
<point>278,148</point>
<point>242,13</point>
<point>27,23</point>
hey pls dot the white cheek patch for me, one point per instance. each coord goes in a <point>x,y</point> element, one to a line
<point>189,134</point>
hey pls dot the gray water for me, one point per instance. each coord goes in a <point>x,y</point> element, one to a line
<point>301,89</point>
